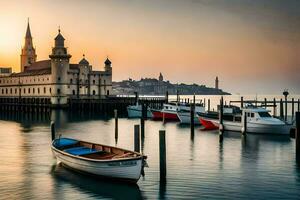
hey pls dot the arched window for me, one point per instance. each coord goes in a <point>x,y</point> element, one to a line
<point>44,90</point>
<point>10,90</point>
<point>73,92</point>
<point>33,90</point>
<point>24,91</point>
<point>50,90</point>
<point>16,91</point>
<point>38,90</point>
<point>107,92</point>
<point>94,92</point>
<point>71,81</point>
<point>58,91</point>
<point>6,91</point>
<point>28,90</point>
<point>94,82</point>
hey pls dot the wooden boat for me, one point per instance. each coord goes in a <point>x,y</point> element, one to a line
<point>98,159</point>
<point>135,111</point>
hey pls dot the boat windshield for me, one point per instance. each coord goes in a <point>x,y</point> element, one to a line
<point>264,114</point>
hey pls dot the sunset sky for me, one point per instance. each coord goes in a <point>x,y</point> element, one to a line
<point>252,45</point>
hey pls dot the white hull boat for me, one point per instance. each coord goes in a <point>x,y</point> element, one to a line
<point>97,159</point>
<point>184,114</point>
<point>258,121</point>
<point>135,111</point>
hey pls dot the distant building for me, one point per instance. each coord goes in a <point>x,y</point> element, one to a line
<point>217,83</point>
<point>55,78</point>
<point>5,71</point>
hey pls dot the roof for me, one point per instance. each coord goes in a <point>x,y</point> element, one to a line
<point>74,66</point>
<point>59,36</point>
<point>32,73</point>
<point>84,62</point>
<point>107,61</point>
<point>28,32</point>
<point>43,64</point>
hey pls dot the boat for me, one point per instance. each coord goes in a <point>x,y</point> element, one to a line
<point>169,112</point>
<point>184,113</point>
<point>100,160</point>
<point>258,121</point>
<point>135,111</point>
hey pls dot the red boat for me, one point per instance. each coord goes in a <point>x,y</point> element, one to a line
<point>169,112</point>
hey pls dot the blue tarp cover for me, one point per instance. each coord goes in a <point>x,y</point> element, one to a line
<point>78,151</point>
<point>65,142</point>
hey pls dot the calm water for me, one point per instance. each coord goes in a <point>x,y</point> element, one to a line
<point>255,167</point>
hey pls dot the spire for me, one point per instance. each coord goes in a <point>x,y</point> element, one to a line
<point>28,32</point>
<point>107,61</point>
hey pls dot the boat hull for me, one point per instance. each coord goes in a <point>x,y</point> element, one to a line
<point>159,115</point>
<point>127,169</point>
<point>136,112</point>
<point>185,118</point>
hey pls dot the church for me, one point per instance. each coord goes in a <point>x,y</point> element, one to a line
<point>56,78</point>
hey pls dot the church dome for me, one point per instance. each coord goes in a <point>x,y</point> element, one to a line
<point>84,61</point>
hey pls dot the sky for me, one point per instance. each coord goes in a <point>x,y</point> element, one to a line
<point>253,46</point>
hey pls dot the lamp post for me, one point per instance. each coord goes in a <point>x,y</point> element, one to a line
<point>285,93</point>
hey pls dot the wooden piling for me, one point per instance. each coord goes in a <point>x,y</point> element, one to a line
<point>208,104</point>
<point>143,120</point>
<point>298,105</point>
<point>293,107</point>
<point>162,155</point>
<point>244,129</point>
<point>192,113</point>
<point>116,124</point>
<point>297,136</point>
<point>274,108</point>
<point>53,130</point>
<point>221,128</point>
<point>265,102</point>
<point>281,109</point>
<point>242,102</point>
<point>285,111</point>
<point>137,138</point>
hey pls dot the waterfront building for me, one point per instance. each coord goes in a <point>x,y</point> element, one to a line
<point>56,78</point>
<point>5,71</point>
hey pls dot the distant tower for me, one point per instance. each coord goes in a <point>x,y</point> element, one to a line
<point>107,66</point>
<point>160,78</point>
<point>217,83</point>
<point>28,55</point>
<point>59,70</point>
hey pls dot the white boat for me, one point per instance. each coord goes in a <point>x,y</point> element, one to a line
<point>135,111</point>
<point>98,159</point>
<point>258,121</point>
<point>184,114</point>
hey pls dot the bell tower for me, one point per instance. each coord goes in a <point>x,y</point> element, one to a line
<point>59,71</point>
<point>28,55</point>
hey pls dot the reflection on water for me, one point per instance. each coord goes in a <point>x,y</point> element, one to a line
<point>243,167</point>
<point>98,187</point>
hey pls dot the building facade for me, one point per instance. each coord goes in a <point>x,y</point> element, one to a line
<point>5,71</point>
<point>56,78</point>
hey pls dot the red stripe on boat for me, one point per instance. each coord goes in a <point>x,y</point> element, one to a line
<point>208,125</point>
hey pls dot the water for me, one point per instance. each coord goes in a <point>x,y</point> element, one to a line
<point>255,167</point>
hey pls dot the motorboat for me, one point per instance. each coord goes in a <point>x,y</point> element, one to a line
<point>169,112</point>
<point>184,113</point>
<point>98,159</point>
<point>135,111</point>
<point>258,121</point>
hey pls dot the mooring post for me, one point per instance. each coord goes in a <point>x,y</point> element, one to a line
<point>297,136</point>
<point>167,97</point>
<point>293,109</point>
<point>177,96</point>
<point>244,129</point>
<point>265,102</point>
<point>298,105</point>
<point>281,109</point>
<point>221,128</point>
<point>208,104</point>
<point>52,130</point>
<point>162,155</point>
<point>136,97</point>
<point>137,138</point>
<point>192,113</point>
<point>143,121</point>
<point>274,108</point>
<point>242,102</point>
<point>116,124</point>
